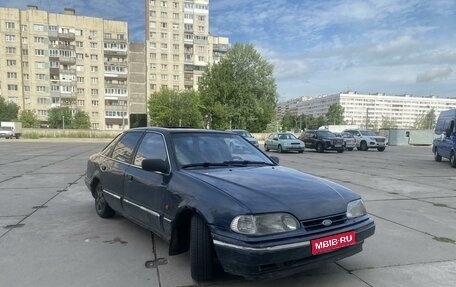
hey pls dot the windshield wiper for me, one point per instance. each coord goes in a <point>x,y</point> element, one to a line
<point>246,162</point>
<point>205,164</point>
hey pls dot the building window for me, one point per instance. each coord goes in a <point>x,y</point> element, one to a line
<point>153,56</point>
<point>164,15</point>
<point>175,46</point>
<point>41,89</point>
<point>24,40</point>
<point>39,39</point>
<point>175,26</point>
<point>94,92</point>
<point>26,76</point>
<point>94,103</point>
<point>79,56</point>
<point>80,79</point>
<point>11,50</point>
<point>10,25</point>
<point>176,16</point>
<point>164,46</point>
<point>152,13</point>
<point>38,27</point>
<point>175,57</point>
<point>201,58</point>
<point>107,35</point>
<point>12,87</point>
<point>43,101</point>
<point>40,65</point>
<point>79,44</point>
<point>164,67</point>
<point>41,76</point>
<point>164,77</point>
<point>26,88</point>
<point>164,35</point>
<point>53,28</point>
<point>94,57</point>
<point>11,75</point>
<point>153,45</point>
<point>94,80</point>
<point>94,68</point>
<point>153,86</point>
<point>39,52</point>
<point>80,103</point>
<point>164,25</point>
<point>93,45</point>
<point>10,38</point>
<point>93,33</point>
<point>176,77</point>
<point>152,2</point>
<point>24,52</point>
<point>176,67</point>
<point>175,5</point>
<point>164,3</point>
<point>80,91</point>
<point>176,37</point>
<point>164,57</point>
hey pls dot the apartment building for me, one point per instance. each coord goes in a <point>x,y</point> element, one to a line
<point>179,47</point>
<point>360,109</point>
<point>64,60</point>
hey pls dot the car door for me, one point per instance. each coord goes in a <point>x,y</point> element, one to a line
<point>113,166</point>
<point>448,141</point>
<point>145,190</point>
<point>309,140</point>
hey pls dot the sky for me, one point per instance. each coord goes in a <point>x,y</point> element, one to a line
<point>323,47</point>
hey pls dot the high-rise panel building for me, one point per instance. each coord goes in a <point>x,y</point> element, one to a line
<point>52,60</point>
<point>179,47</point>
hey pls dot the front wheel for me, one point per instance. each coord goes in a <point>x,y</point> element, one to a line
<point>350,149</point>
<point>266,148</point>
<point>437,157</point>
<point>320,147</point>
<point>340,150</point>
<point>280,149</point>
<point>363,146</point>
<point>101,206</point>
<point>381,148</point>
<point>201,250</point>
<point>452,159</point>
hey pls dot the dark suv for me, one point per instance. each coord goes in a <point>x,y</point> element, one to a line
<point>322,140</point>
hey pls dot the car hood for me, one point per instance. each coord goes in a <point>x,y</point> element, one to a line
<point>278,189</point>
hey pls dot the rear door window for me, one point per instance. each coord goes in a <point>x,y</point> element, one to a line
<point>123,150</point>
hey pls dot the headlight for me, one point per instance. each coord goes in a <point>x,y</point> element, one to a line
<point>264,223</point>
<point>356,208</point>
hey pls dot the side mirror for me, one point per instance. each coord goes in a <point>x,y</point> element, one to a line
<point>157,165</point>
<point>275,159</point>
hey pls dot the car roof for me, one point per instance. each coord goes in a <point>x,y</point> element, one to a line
<point>175,130</point>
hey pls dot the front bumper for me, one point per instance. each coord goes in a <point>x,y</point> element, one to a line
<point>293,147</point>
<point>283,258</point>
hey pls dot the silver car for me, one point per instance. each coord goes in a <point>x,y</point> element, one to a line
<point>245,134</point>
<point>6,132</point>
<point>349,139</point>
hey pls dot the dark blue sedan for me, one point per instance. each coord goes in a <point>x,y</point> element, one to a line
<point>231,207</point>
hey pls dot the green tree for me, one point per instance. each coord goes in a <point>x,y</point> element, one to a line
<point>28,119</point>
<point>81,120</point>
<point>288,122</point>
<point>388,123</point>
<point>425,120</point>
<point>172,108</point>
<point>239,91</point>
<point>335,115</point>
<point>8,111</point>
<point>59,118</point>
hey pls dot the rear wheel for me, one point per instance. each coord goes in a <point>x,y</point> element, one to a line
<point>280,149</point>
<point>340,150</point>
<point>350,149</point>
<point>101,206</point>
<point>363,146</point>
<point>437,157</point>
<point>320,147</point>
<point>452,159</point>
<point>301,151</point>
<point>266,148</point>
<point>202,254</point>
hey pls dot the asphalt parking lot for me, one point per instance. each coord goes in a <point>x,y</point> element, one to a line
<point>50,234</point>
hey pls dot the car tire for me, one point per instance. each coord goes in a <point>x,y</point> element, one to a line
<point>381,148</point>
<point>320,148</point>
<point>280,149</point>
<point>266,148</point>
<point>340,150</point>
<point>363,146</point>
<point>350,149</point>
<point>453,159</point>
<point>300,151</point>
<point>437,157</point>
<point>201,250</point>
<point>101,206</point>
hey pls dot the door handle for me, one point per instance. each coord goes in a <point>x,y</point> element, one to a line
<point>129,177</point>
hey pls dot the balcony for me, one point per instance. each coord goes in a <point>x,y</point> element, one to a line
<point>67,36</point>
<point>68,60</point>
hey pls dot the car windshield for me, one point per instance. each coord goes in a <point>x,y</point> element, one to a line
<point>326,134</point>
<point>200,149</point>
<point>287,137</point>
<point>347,135</point>
<point>6,128</point>
<point>368,133</point>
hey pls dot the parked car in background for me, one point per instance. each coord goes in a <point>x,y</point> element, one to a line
<point>241,211</point>
<point>366,139</point>
<point>283,142</point>
<point>349,140</point>
<point>6,132</point>
<point>245,134</point>
<point>322,140</point>
<point>16,127</point>
<point>444,144</point>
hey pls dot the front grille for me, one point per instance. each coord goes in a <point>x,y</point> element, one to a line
<point>380,140</point>
<point>296,143</point>
<point>317,223</point>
